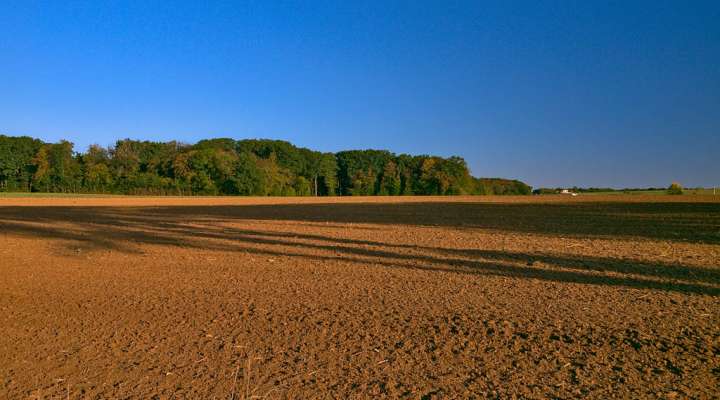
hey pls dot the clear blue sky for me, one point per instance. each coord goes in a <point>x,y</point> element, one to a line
<point>621,93</point>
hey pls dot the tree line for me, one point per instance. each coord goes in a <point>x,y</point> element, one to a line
<point>253,167</point>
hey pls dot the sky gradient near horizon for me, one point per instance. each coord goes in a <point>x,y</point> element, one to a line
<point>555,93</point>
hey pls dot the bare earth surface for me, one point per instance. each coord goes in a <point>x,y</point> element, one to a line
<point>235,298</point>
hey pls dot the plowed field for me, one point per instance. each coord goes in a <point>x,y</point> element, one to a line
<point>239,298</point>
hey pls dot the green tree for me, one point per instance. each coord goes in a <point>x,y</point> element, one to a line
<point>359,171</point>
<point>56,170</point>
<point>275,180</point>
<point>125,164</point>
<point>327,175</point>
<point>390,184</point>
<point>16,162</point>
<point>301,186</point>
<point>675,188</point>
<point>96,170</point>
<point>247,178</point>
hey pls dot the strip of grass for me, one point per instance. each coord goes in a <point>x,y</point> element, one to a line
<point>38,194</point>
<point>615,192</point>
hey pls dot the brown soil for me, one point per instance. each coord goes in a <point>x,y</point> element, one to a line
<point>552,297</point>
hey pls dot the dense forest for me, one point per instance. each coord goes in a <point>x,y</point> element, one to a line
<point>233,167</point>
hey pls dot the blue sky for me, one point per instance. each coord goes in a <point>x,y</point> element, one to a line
<point>556,93</point>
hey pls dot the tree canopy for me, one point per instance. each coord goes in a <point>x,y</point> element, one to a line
<point>225,166</point>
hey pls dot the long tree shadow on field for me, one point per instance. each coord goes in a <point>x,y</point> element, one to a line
<point>686,222</point>
<point>118,228</point>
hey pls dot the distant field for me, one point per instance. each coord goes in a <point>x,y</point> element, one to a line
<point>371,297</point>
<point>656,192</point>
